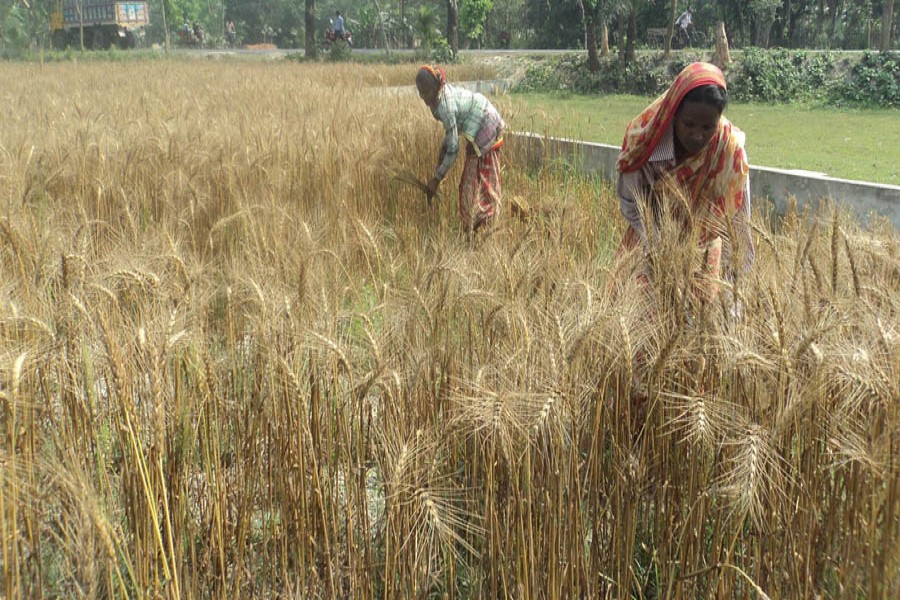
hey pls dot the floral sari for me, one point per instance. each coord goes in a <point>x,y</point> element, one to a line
<point>714,179</point>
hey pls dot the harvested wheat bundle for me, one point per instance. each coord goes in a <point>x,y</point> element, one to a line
<point>404,175</point>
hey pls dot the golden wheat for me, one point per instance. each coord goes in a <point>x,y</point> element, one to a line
<point>241,357</point>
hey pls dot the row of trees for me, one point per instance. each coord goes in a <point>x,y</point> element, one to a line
<point>831,24</point>
<point>502,23</point>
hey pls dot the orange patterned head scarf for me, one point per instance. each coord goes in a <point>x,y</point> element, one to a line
<point>718,173</point>
<point>645,131</point>
<point>436,73</point>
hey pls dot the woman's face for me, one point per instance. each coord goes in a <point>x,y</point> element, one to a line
<point>695,124</point>
<point>428,93</point>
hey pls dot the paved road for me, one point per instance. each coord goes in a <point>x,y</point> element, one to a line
<point>281,53</point>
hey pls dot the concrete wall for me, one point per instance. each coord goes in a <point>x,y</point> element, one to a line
<point>487,87</point>
<point>778,186</point>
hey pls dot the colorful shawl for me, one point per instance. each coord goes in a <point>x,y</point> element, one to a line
<point>716,176</point>
<point>438,73</point>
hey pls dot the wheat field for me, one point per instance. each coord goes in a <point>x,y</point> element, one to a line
<point>241,356</point>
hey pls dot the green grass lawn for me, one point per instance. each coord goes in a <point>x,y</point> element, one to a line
<point>852,144</point>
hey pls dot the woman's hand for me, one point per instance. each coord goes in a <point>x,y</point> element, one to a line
<point>432,188</point>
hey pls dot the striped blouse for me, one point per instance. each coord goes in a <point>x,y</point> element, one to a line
<point>466,113</point>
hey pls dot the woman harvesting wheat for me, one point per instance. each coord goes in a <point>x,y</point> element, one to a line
<point>471,115</point>
<point>682,146</point>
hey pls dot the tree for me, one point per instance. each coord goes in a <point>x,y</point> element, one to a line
<point>473,15</point>
<point>721,56</point>
<point>380,14</point>
<point>507,16</point>
<point>590,36</point>
<point>632,33</point>
<point>13,36</point>
<point>310,49</point>
<point>887,15</point>
<point>670,28</point>
<point>453,26</point>
<point>763,12</point>
<point>425,22</point>
<point>554,24</point>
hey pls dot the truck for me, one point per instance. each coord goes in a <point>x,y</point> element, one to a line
<point>100,23</point>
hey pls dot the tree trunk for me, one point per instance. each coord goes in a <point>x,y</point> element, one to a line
<point>820,25</point>
<point>887,15</point>
<point>765,32</point>
<point>384,40</point>
<point>722,57</point>
<point>604,39</point>
<point>833,24</point>
<point>404,38</point>
<point>167,40</point>
<point>632,33</point>
<point>742,22</point>
<point>309,19</point>
<point>590,37</point>
<point>621,27</point>
<point>670,30</point>
<point>453,26</point>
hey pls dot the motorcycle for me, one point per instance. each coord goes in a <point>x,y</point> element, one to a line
<point>190,39</point>
<point>331,36</point>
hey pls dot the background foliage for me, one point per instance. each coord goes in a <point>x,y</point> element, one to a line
<point>756,75</point>
<point>829,24</point>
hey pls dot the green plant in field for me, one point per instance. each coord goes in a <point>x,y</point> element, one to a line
<point>340,51</point>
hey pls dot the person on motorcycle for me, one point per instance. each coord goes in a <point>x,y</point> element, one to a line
<point>198,32</point>
<point>684,23</point>
<point>339,25</point>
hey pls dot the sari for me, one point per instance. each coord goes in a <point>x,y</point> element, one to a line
<point>472,116</point>
<point>714,180</point>
<point>480,188</point>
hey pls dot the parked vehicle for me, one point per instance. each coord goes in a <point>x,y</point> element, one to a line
<point>100,24</point>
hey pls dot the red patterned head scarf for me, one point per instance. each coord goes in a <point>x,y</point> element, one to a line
<point>718,173</point>
<point>437,73</point>
<point>645,131</point>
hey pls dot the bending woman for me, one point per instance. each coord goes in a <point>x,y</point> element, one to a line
<point>683,139</point>
<point>471,115</point>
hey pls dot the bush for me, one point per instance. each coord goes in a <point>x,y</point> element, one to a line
<point>873,81</point>
<point>339,51</point>
<point>758,76</point>
<point>438,51</point>
<point>441,52</point>
<point>644,76</point>
<point>781,76</point>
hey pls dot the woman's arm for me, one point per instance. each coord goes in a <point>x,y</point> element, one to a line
<point>449,150</point>
<point>746,250</point>
<point>629,187</point>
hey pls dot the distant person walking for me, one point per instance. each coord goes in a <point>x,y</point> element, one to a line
<point>230,33</point>
<point>471,115</point>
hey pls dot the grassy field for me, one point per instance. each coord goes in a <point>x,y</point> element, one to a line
<point>241,357</point>
<point>851,144</point>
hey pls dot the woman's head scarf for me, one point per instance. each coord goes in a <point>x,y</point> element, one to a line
<point>718,173</point>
